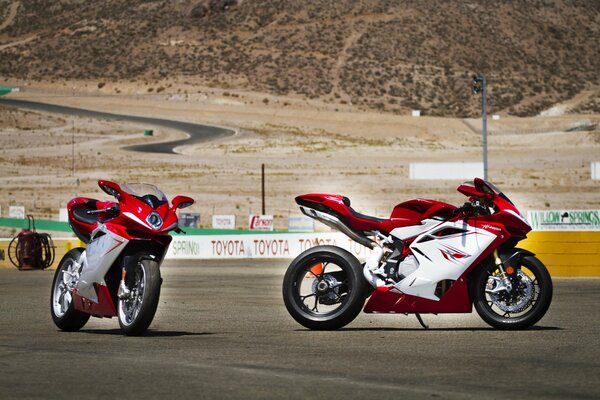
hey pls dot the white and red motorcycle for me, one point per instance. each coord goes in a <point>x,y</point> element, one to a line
<point>118,274</point>
<point>428,257</point>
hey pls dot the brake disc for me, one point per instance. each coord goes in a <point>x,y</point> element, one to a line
<point>519,298</point>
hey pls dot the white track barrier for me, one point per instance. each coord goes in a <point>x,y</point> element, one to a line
<point>276,245</point>
<point>465,170</point>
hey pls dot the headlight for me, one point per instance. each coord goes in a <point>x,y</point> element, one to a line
<point>154,220</point>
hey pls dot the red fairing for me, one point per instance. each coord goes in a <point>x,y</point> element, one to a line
<point>104,308</point>
<point>131,222</point>
<point>455,300</point>
<point>412,212</point>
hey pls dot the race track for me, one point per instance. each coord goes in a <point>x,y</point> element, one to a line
<point>222,331</point>
<point>197,133</point>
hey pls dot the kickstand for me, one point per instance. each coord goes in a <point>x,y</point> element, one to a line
<point>423,324</point>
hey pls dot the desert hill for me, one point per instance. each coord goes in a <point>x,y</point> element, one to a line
<point>390,56</point>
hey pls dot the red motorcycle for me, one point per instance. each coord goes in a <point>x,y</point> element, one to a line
<point>118,274</point>
<point>428,257</point>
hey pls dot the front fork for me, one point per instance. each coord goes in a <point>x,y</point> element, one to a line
<point>124,292</point>
<point>126,271</point>
<point>499,283</point>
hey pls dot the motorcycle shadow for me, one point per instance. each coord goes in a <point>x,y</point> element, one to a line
<point>443,329</point>
<point>148,333</point>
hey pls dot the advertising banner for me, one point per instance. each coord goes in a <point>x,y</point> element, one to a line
<point>301,223</point>
<point>189,220</point>
<point>260,222</point>
<point>63,215</point>
<point>223,221</point>
<point>554,220</point>
<point>595,170</point>
<point>273,245</point>
<point>16,212</point>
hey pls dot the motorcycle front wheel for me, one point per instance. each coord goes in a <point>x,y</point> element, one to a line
<point>323,288</point>
<point>522,306</point>
<point>62,309</point>
<point>136,312</point>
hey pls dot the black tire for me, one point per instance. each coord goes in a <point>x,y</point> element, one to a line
<point>346,287</point>
<point>65,318</point>
<point>493,310</point>
<point>147,280</point>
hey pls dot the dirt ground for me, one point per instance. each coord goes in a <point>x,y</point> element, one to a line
<point>46,159</point>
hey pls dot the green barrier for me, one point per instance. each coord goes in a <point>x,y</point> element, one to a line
<point>40,224</point>
<point>5,90</point>
<point>210,231</point>
<point>57,226</point>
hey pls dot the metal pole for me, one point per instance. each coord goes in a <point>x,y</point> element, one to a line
<point>262,167</point>
<point>73,147</point>
<point>484,125</point>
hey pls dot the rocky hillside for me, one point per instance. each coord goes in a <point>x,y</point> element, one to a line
<point>376,54</point>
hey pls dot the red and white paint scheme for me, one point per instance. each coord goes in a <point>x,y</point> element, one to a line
<point>427,257</point>
<point>118,274</point>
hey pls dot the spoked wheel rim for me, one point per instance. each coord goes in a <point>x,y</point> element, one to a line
<point>518,302</point>
<point>62,293</point>
<point>129,308</point>
<point>321,289</point>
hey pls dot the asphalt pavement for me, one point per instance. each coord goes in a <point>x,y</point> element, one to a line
<point>221,331</point>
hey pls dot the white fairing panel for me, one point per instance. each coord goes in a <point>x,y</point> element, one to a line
<point>407,232</point>
<point>100,254</point>
<point>443,252</point>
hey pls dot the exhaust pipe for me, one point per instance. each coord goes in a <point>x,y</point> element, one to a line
<point>335,223</point>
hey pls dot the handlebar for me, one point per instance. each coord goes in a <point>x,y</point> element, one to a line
<point>473,207</point>
<point>110,210</point>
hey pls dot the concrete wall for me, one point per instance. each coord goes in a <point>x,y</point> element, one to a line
<point>566,253</point>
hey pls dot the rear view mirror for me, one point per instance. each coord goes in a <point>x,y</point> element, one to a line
<point>110,188</point>
<point>482,187</point>
<point>182,202</point>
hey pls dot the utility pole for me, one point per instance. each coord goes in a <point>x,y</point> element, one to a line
<point>480,86</point>
<point>262,168</point>
<point>73,147</point>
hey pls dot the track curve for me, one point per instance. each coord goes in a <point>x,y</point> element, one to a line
<point>197,133</point>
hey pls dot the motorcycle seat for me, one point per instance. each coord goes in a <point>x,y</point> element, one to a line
<point>81,213</point>
<point>363,222</point>
<point>340,207</point>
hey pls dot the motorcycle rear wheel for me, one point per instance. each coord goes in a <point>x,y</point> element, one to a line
<point>521,308</point>
<point>63,312</point>
<point>137,312</point>
<point>328,277</point>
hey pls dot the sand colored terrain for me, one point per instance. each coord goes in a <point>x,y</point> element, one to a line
<point>46,159</point>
